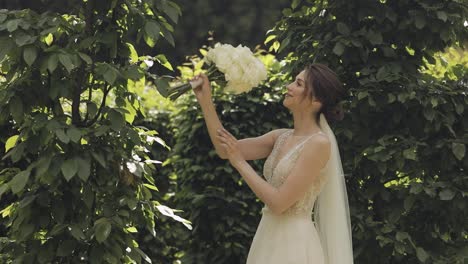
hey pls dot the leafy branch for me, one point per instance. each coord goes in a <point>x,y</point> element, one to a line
<point>101,107</point>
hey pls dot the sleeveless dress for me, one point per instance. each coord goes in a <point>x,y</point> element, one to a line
<point>291,237</point>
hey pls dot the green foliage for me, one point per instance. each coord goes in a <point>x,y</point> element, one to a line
<point>77,174</point>
<point>449,65</point>
<point>167,246</point>
<point>404,137</point>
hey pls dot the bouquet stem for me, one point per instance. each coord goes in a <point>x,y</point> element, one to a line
<point>179,90</point>
<point>212,73</point>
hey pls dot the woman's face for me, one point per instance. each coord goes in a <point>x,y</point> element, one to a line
<point>294,96</point>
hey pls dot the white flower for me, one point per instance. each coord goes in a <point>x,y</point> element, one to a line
<point>242,70</point>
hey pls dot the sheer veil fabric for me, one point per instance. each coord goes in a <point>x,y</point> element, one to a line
<point>331,210</point>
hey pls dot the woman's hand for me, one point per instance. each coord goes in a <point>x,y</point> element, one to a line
<point>229,144</point>
<point>203,91</point>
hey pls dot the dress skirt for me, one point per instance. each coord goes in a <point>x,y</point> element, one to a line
<point>286,239</point>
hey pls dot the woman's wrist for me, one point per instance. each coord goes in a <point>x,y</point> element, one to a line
<point>237,164</point>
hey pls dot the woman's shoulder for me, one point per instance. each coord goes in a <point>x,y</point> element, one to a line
<point>276,133</point>
<point>320,139</point>
<point>318,146</point>
<point>271,137</point>
<point>280,131</point>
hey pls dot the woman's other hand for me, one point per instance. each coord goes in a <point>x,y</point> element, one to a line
<point>230,145</point>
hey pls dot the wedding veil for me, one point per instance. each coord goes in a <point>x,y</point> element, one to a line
<point>331,210</point>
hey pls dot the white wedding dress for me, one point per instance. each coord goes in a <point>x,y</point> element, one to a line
<point>292,237</point>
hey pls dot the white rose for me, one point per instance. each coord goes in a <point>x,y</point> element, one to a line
<point>242,70</point>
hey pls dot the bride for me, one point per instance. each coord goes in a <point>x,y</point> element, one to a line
<point>305,219</point>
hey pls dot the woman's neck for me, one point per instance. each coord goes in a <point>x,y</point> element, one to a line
<point>304,124</point>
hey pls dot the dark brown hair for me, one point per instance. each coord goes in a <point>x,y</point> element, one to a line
<point>323,84</point>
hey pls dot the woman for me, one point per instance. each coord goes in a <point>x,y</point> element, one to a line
<point>303,170</point>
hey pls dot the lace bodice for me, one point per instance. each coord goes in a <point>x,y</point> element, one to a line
<point>276,171</point>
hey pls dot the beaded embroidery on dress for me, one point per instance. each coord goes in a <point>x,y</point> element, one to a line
<point>276,171</point>
<point>291,237</point>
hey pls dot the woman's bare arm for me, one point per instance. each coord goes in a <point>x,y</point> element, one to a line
<point>259,147</point>
<point>252,148</point>
<point>303,175</point>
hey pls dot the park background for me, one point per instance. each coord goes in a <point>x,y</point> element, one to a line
<point>97,167</point>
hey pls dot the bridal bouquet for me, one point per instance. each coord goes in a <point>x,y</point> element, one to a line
<point>234,68</point>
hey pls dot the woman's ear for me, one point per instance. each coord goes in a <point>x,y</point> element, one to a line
<point>317,103</point>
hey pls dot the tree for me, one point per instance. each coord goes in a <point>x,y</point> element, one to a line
<point>77,170</point>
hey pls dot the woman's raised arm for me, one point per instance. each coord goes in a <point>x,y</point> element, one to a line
<point>251,148</point>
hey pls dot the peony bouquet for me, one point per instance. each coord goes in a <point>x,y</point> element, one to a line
<point>234,68</point>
